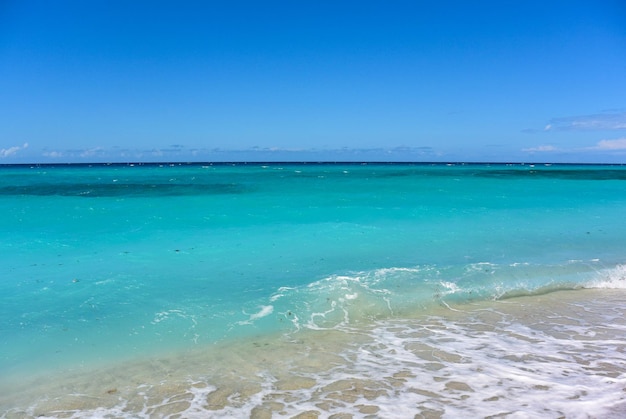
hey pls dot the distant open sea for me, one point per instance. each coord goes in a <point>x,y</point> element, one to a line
<point>319,290</point>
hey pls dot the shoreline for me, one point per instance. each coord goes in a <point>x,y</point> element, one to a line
<point>565,351</point>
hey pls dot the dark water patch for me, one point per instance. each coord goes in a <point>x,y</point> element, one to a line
<point>90,190</point>
<point>504,173</point>
<point>567,174</point>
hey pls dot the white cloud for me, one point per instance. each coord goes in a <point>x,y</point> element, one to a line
<point>617,144</point>
<point>6,152</point>
<point>541,148</point>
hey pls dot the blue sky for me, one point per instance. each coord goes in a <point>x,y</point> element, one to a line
<point>98,81</point>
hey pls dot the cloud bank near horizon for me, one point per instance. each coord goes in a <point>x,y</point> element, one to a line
<point>179,152</point>
<point>611,150</point>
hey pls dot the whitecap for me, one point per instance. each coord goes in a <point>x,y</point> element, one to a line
<point>263,312</point>
<point>610,278</point>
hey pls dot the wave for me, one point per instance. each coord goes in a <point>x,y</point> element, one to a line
<point>614,278</point>
<point>355,298</point>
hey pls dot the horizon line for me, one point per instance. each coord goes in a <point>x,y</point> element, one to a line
<point>311,162</point>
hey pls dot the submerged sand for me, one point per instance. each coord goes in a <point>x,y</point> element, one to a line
<point>561,354</point>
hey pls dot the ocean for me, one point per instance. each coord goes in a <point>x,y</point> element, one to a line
<point>312,290</point>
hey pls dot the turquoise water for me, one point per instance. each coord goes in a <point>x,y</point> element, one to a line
<point>106,264</point>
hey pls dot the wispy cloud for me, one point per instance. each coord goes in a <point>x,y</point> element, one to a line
<point>91,152</point>
<point>7,152</point>
<point>614,145</point>
<point>53,154</point>
<point>608,121</point>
